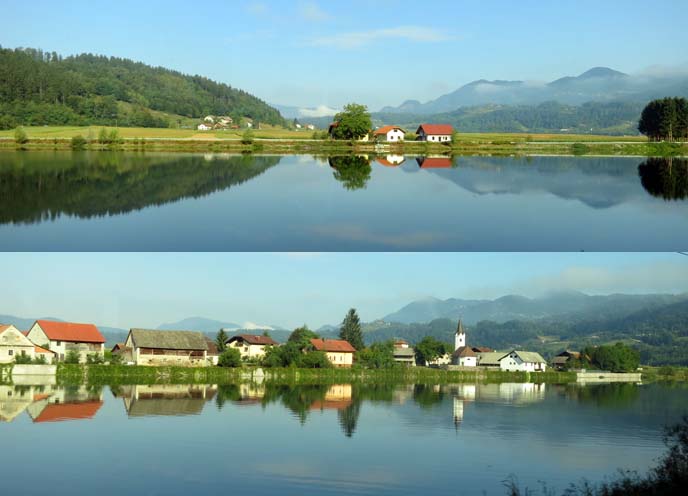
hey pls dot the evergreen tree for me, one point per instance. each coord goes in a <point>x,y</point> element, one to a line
<point>351,330</point>
<point>221,340</point>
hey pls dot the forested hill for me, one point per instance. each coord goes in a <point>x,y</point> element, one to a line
<point>41,88</point>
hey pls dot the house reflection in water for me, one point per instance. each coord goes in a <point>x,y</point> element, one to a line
<point>13,401</point>
<point>517,393</point>
<point>439,162</point>
<point>391,160</point>
<point>165,399</point>
<point>57,404</point>
<point>337,397</point>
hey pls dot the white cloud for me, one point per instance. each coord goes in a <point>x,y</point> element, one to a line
<point>311,11</point>
<point>252,326</point>
<point>359,39</point>
<point>319,111</point>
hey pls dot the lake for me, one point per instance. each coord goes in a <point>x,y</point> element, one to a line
<point>326,439</point>
<point>108,201</point>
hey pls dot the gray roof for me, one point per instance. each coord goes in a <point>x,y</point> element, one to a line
<point>169,340</point>
<point>528,356</point>
<point>490,358</point>
<point>404,352</point>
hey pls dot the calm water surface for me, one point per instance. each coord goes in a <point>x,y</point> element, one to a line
<point>172,202</point>
<point>329,439</point>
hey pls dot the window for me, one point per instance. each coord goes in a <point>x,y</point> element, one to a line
<point>10,352</point>
<point>59,343</point>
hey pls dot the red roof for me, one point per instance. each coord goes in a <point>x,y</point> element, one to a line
<point>58,412</point>
<point>386,129</point>
<point>330,404</point>
<point>253,339</point>
<point>335,345</point>
<point>435,129</point>
<point>3,328</point>
<point>38,349</point>
<point>435,163</point>
<point>68,331</point>
<point>464,352</point>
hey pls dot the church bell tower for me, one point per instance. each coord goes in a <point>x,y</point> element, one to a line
<point>459,337</point>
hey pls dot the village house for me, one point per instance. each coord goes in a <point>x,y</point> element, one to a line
<point>522,361</point>
<point>251,346</point>
<point>391,160</point>
<point>64,337</point>
<point>204,126</point>
<point>339,352</point>
<point>389,133</point>
<point>436,133</point>
<point>561,361</point>
<point>165,399</point>
<point>463,355</point>
<point>14,343</point>
<point>159,348</point>
<point>403,353</point>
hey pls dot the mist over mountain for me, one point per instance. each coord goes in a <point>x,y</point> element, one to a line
<point>569,304</point>
<point>599,84</point>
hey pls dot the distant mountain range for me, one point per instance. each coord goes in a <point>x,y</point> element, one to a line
<point>599,84</point>
<point>572,305</point>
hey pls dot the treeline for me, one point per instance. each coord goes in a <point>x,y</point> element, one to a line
<point>549,117</point>
<point>41,88</point>
<point>665,120</point>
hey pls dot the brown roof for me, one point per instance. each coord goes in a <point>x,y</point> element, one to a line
<point>69,331</point>
<point>335,345</point>
<point>435,129</point>
<point>212,347</point>
<point>464,352</point>
<point>168,340</point>
<point>118,347</point>
<point>482,349</point>
<point>253,339</point>
<point>434,163</point>
<point>38,349</point>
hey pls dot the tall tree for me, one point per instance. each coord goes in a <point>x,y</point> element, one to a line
<point>351,330</point>
<point>221,340</point>
<point>353,122</point>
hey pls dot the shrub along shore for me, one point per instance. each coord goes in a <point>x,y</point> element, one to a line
<point>126,139</point>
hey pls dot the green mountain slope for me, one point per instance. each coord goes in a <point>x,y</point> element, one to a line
<point>41,88</point>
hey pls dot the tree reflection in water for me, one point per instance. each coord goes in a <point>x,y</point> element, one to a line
<point>665,177</point>
<point>352,171</point>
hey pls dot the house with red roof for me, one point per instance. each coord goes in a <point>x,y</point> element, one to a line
<point>63,337</point>
<point>340,353</point>
<point>437,133</point>
<point>389,133</point>
<point>250,345</point>
<point>434,162</point>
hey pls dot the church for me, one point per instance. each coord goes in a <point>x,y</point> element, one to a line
<point>463,355</point>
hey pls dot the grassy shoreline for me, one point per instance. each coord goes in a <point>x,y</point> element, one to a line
<point>119,374</point>
<point>289,142</point>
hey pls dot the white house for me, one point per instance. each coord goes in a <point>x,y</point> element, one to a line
<point>209,118</point>
<point>390,133</point>
<point>13,344</point>
<point>522,361</point>
<point>63,337</point>
<point>438,133</point>
<point>251,346</point>
<point>310,127</point>
<point>205,127</point>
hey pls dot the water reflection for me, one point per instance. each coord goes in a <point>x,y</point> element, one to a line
<point>38,187</point>
<point>665,177</point>
<point>164,399</point>
<point>353,171</point>
<point>50,403</point>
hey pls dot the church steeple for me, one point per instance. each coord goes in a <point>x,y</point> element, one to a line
<point>459,337</point>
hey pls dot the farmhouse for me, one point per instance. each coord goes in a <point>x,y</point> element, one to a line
<point>65,337</point>
<point>389,133</point>
<point>157,348</point>
<point>14,343</point>
<point>251,346</point>
<point>205,126</point>
<point>437,133</point>
<point>403,353</point>
<point>522,361</point>
<point>339,352</point>
<point>560,361</point>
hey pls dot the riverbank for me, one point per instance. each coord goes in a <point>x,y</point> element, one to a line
<point>290,142</point>
<point>121,374</point>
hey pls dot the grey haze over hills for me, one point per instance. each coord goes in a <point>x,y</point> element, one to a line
<point>599,84</point>
<point>571,305</point>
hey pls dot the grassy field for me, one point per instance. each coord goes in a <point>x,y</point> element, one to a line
<point>283,141</point>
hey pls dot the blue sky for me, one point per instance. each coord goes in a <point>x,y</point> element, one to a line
<point>141,289</point>
<point>378,52</point>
